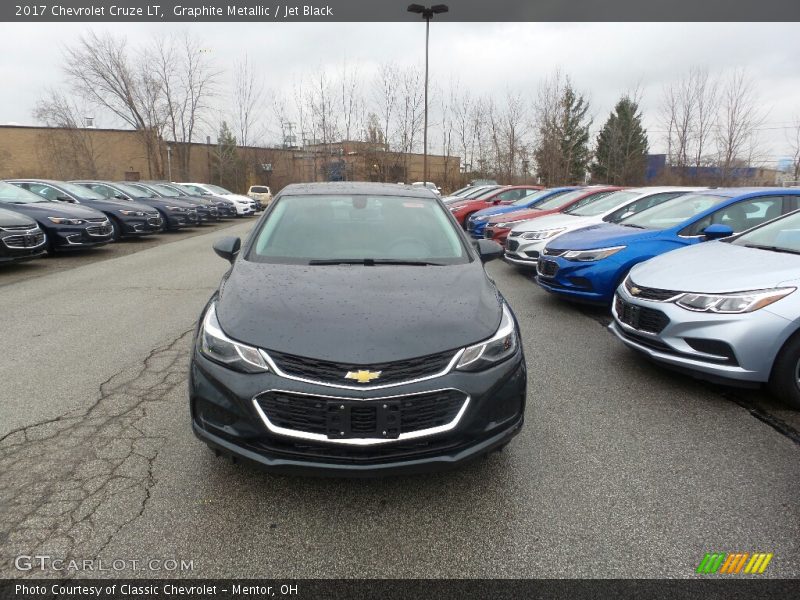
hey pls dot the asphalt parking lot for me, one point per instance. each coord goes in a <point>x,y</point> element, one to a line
<point>622,470</point>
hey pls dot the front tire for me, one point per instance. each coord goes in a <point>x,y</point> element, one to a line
<point>116,230</point>
<point>784,381</point>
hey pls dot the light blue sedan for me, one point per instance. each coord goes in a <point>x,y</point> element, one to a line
<point>727,310</point>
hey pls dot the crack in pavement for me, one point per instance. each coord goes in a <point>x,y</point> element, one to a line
<point>69,484</point>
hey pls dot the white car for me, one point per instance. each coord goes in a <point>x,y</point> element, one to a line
<point>430,185</point>
<point>244,205</point>
<point>261,194</point>
<point>527,240</point>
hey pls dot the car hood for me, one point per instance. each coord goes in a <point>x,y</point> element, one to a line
<point>237,198</point>
<point>116,205</point>
<point>717,267</point>
<point>55,209</point>
<point>9,218</point>
<point>601,235</point>
<point>556,221</point>
<point>358,314</point>
<point>525,214</point>
<point>498,210</point>
<point>164,202</point>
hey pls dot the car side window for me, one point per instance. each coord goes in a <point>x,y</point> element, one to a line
<point>103,190</point>
<point>740,216</point>
<point>506,196</point>
<point>44,190</point>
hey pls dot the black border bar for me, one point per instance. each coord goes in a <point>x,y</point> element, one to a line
<point>708,588</point>
<point>395,11</point>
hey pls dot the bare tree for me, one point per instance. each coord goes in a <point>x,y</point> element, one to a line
<point>738,121</point>
<point>248,102</point>
<point>794,144</point>
<point>186,79</point>
<point>69,148</point>
<point>101,70</point>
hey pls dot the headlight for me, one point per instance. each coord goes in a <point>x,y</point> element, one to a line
<point>541,235</point>
<point>499,347</point>
<point>217,346</point>
<point>63,221</point>
<point>176,208</point>
<point>132,213</point>
<point>591,255</point>
<point>739,302</point>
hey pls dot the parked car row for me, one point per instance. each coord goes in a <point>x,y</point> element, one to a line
<point>724,310</point>
<point>39,216</point>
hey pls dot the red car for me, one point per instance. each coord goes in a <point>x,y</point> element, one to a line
<point>498,227</point>
<point>463,209</point>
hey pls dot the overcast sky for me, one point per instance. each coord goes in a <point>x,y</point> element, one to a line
<point>603,59</point>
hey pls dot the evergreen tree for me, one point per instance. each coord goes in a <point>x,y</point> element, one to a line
<point>621,156</point>
<point>562,154</point>
<point>229,171</point>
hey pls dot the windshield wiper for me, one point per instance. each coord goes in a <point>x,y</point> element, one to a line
<point>371,262</point>
<point>772,248</point>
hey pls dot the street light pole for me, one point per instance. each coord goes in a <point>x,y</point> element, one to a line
<point>427,14</point>
<point>169,162</point>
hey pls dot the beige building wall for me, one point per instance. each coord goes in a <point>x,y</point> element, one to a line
<point>120,154</point>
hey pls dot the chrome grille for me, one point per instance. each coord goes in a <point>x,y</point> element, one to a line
<point>645,293</point>
<point>32,239</point>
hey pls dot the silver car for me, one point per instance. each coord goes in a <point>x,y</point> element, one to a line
<point>727,310</point>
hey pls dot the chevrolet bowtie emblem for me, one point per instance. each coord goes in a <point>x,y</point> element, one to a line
<point>635,291</point>
<point>363,376</point>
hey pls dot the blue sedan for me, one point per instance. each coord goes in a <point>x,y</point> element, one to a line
<point>477,222</point>
<point>588,264</point>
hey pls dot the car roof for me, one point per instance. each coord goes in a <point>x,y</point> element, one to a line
<point>356,187</point>
<point>38,180</point>
<point>743,191</point>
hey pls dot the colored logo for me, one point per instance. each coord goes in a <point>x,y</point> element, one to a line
<point>363,376</point>
<point>734,563</point>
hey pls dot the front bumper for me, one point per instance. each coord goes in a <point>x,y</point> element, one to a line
<point>593,281</point>
<point>225,414</point>
<point>498,234</point>
<point>721,347</point>
<point>74,237</point>
<point>521,252</point>
<point>22,244</point>
<point>243,209</point>
<point>138,226</point>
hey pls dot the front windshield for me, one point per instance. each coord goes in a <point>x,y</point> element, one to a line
<point>558,200</point>
<point>218,190</point>
<point>305,229</point>
<point>134,191</point>
<point>193,190</point>
<point>11,194</point>
<point>527,200</point>
<point>165,190</point>
<point>674,212</point>
<point>603,205</point>
<point>781,235</point>
<point>482,191</point>
<point>81,192</point>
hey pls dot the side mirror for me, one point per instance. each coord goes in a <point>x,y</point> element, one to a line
<point>228,248</point>
<point>717,231</point>
<point>121,197</point>
<point>489,250</point>
<point>65,199</point>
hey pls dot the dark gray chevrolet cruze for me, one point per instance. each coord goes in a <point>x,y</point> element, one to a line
<point>357,333</point>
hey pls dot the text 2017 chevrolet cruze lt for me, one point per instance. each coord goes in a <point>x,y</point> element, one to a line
<point>357,332</point>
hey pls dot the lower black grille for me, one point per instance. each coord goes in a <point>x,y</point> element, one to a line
<point>512,245</point>
<point>336,372</point>
<point>347,418</point>
<point>642,318</point>
<point>99,230</point>
<point>646,293</point>
<point>547,268</point>
<point>24,241</point>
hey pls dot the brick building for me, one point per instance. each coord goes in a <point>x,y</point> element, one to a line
<point>119,154</point>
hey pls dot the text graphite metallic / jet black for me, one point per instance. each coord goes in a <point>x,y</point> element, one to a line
<point>357,333</point>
